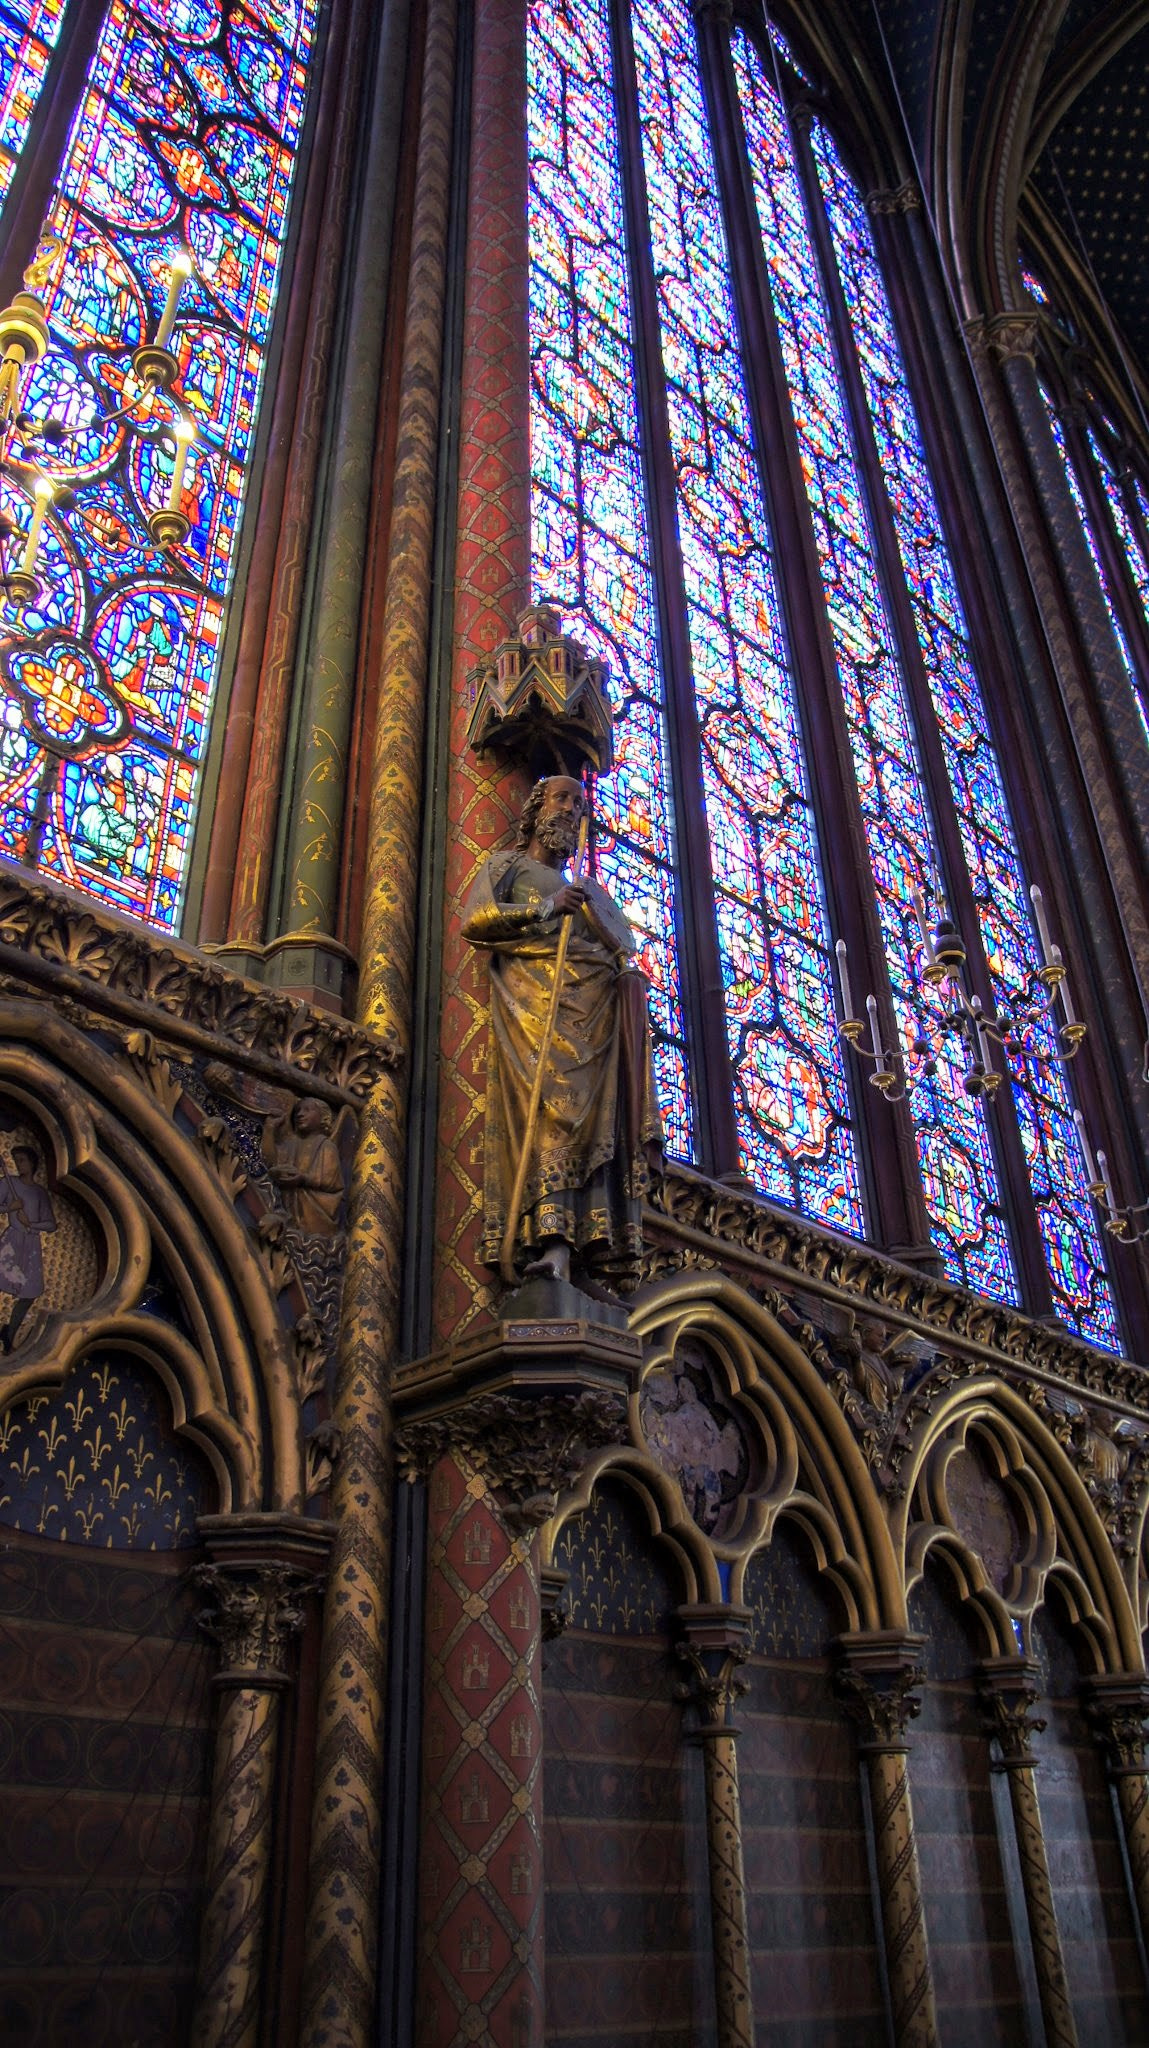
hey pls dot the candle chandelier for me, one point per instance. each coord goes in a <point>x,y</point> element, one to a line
<point>952,1027</point>
<point>35,448</point>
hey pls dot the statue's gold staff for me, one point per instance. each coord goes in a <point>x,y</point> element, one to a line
<point>514,1209</point>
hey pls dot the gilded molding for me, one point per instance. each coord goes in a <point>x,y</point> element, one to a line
<point>80,953</point>
<point>694,1222</point>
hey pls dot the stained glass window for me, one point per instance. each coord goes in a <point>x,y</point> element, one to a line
<point>591,546</point>
<point>628,211</point>
<point>1133,548</point>
<point>29,32</point>
<point>790,1090</point>
<point>186,136</point>
<point>1078,495</point>
<point>1053,1153</point>
<point>958,1168</point>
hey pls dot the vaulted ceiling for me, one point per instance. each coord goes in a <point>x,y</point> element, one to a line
<point>1033,112</point>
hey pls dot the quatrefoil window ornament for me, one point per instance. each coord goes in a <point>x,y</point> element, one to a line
<point>67,697</point>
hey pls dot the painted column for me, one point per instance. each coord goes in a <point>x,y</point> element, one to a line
<point>714,1650</point>
<point>878,1673</point>
<point>1116,1707</point>
<point>1013,338</point>
<point>254,1611</point>
<point>1008,1690</point>
<point>341,1949</point>
<point>481,1868</point>
<point>1076,698</point>
<point>492,576</point>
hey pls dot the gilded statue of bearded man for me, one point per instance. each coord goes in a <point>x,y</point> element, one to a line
<point>598,1133</point>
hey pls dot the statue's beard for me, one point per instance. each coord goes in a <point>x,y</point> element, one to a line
<point>558,835</point>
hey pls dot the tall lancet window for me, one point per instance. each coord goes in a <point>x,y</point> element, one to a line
<point>676,212</point>
<point>186,137</point>
<point>1109,496</point>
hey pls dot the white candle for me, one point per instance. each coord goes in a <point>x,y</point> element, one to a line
<point>1063,986</point>
<point>1038,903</point>
<point>1107,1184</point>
<point>924,927</point>
<point>844,980</point>
<point>180,272</point>
<point>185,435</point>
<point>982,1041</point>
<point>45,491</point>
<point>1090,1163</point>
<point>875,1033</point>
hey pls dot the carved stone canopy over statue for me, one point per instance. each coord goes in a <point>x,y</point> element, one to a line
<point>596,1135</point>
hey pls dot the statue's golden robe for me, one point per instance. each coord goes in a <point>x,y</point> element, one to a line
<point>598,1127</point>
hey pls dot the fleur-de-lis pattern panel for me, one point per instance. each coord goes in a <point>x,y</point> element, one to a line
<point>186,135</point>
<point>619,1585</point>
<point>96,1462</point>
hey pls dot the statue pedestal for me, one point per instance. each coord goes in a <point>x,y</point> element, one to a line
<point>551,1345</point>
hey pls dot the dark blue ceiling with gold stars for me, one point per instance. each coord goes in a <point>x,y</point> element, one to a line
<point>1087,161</point>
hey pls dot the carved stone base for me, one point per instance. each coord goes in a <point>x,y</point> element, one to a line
<point>525,1400</point>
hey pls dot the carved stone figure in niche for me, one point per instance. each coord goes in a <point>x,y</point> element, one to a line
<point>305,1145</point>
<point>48,1249</point>
<point>694,1435</point>
<point>303,1160</point>
<point>28,1215</point>
<point>597,1135</point>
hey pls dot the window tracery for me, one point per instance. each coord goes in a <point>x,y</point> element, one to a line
<point>926,779</point>
<point>187,134</point>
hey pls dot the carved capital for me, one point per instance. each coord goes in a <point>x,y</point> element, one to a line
<point>1008,335</point>
<point>878,1676</point>
<point>1116,1709</point>
<point>1008,1691</point>
<point>898,199</point>
<point>262,1568</point>
<point>527,1450</point>
<point>253,1616</point>
<point>712,1652</point>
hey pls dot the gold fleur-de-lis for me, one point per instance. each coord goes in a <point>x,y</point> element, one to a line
<point>105,1381</point>
<point>121,1418</point>
<point>10,1425</point>
<point>99,1448</point>
<point>52,1437</point>
<point>26,1468</point>
<point>87,1517</point>
<point>78,1409</point>
<point>157,1492</point>
<point>140,1456</point>
<point>48,1508</point>
<point>70,1477</point>
<point>114,1486</point>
